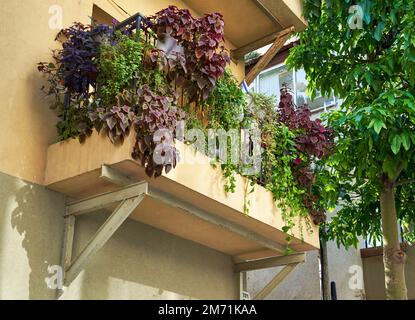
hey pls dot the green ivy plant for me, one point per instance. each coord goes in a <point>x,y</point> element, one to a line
<point>120,62</point>
<point>278,155</point>
<point>291,142</point>
<point>226,103</point>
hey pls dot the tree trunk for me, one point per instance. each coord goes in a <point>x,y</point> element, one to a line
<point>394,257</point>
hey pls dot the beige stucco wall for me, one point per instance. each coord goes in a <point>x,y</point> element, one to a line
<point>303,283</point>
<point>375,279</point>
<point>345,269</point>
<point>31,227</point>
<point>27,123</point>
<point>138,262</point>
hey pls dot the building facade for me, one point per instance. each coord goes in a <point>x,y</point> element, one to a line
<point>140,261</point>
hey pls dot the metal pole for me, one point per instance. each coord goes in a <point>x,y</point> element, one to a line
<point>333,290</point>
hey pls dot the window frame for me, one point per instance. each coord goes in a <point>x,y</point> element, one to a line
<point>256,87</point>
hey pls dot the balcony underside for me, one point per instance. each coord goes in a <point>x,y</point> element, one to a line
<point>247,21</point>
<point>188,202</point>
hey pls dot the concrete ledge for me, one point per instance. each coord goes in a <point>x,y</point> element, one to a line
<point>376,251</point>
<point>74,169</point>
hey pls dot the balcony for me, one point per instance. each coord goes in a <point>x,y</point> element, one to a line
<point>270,16</point>
<point>188,202</point>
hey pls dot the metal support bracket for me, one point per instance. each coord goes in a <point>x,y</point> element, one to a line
<point>290,262</point>
<point>128,199</point>
<point>129,196</point>
<point>279,277</point>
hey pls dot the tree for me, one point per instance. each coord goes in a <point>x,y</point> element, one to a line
<point>365,55</point>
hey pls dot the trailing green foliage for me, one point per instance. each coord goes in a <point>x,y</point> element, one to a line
<point>120,62</point>
<point>226,103</point>
<point>134,87</point>
<point>290,143</point>
<point>373,70</point>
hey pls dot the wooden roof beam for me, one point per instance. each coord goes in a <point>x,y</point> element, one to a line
<point>267,57</point>
<point>239,53</point>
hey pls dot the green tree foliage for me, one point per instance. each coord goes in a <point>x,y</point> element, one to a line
<point>373,69</point>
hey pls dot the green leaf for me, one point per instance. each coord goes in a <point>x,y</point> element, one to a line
<point>411,53</point>
<point>378,125</point>
<point>406,141</point>
<point>369,77</point>
<point>410,104</point>
<point>370,143</point>
<point>366,16</point>
<point>378,31</point>
<point>389,167</point>
<point>393,16</point>
<point>391,99</point>
<point>396,144</point>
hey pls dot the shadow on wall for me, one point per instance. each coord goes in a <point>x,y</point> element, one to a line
<point>140,262</point>
<point>302,284</point>
<point>37,218</point>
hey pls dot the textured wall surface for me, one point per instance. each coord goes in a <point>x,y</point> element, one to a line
<point>303,283</point>
<point>31,228</point>
<point>345,269</point>
<point>138,262</point>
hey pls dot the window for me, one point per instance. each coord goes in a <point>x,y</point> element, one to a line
<point>319,103</point>
<point>272,80</point>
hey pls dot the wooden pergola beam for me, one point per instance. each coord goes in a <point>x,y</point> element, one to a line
<point>239,53</point>
<point>267,57</point>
